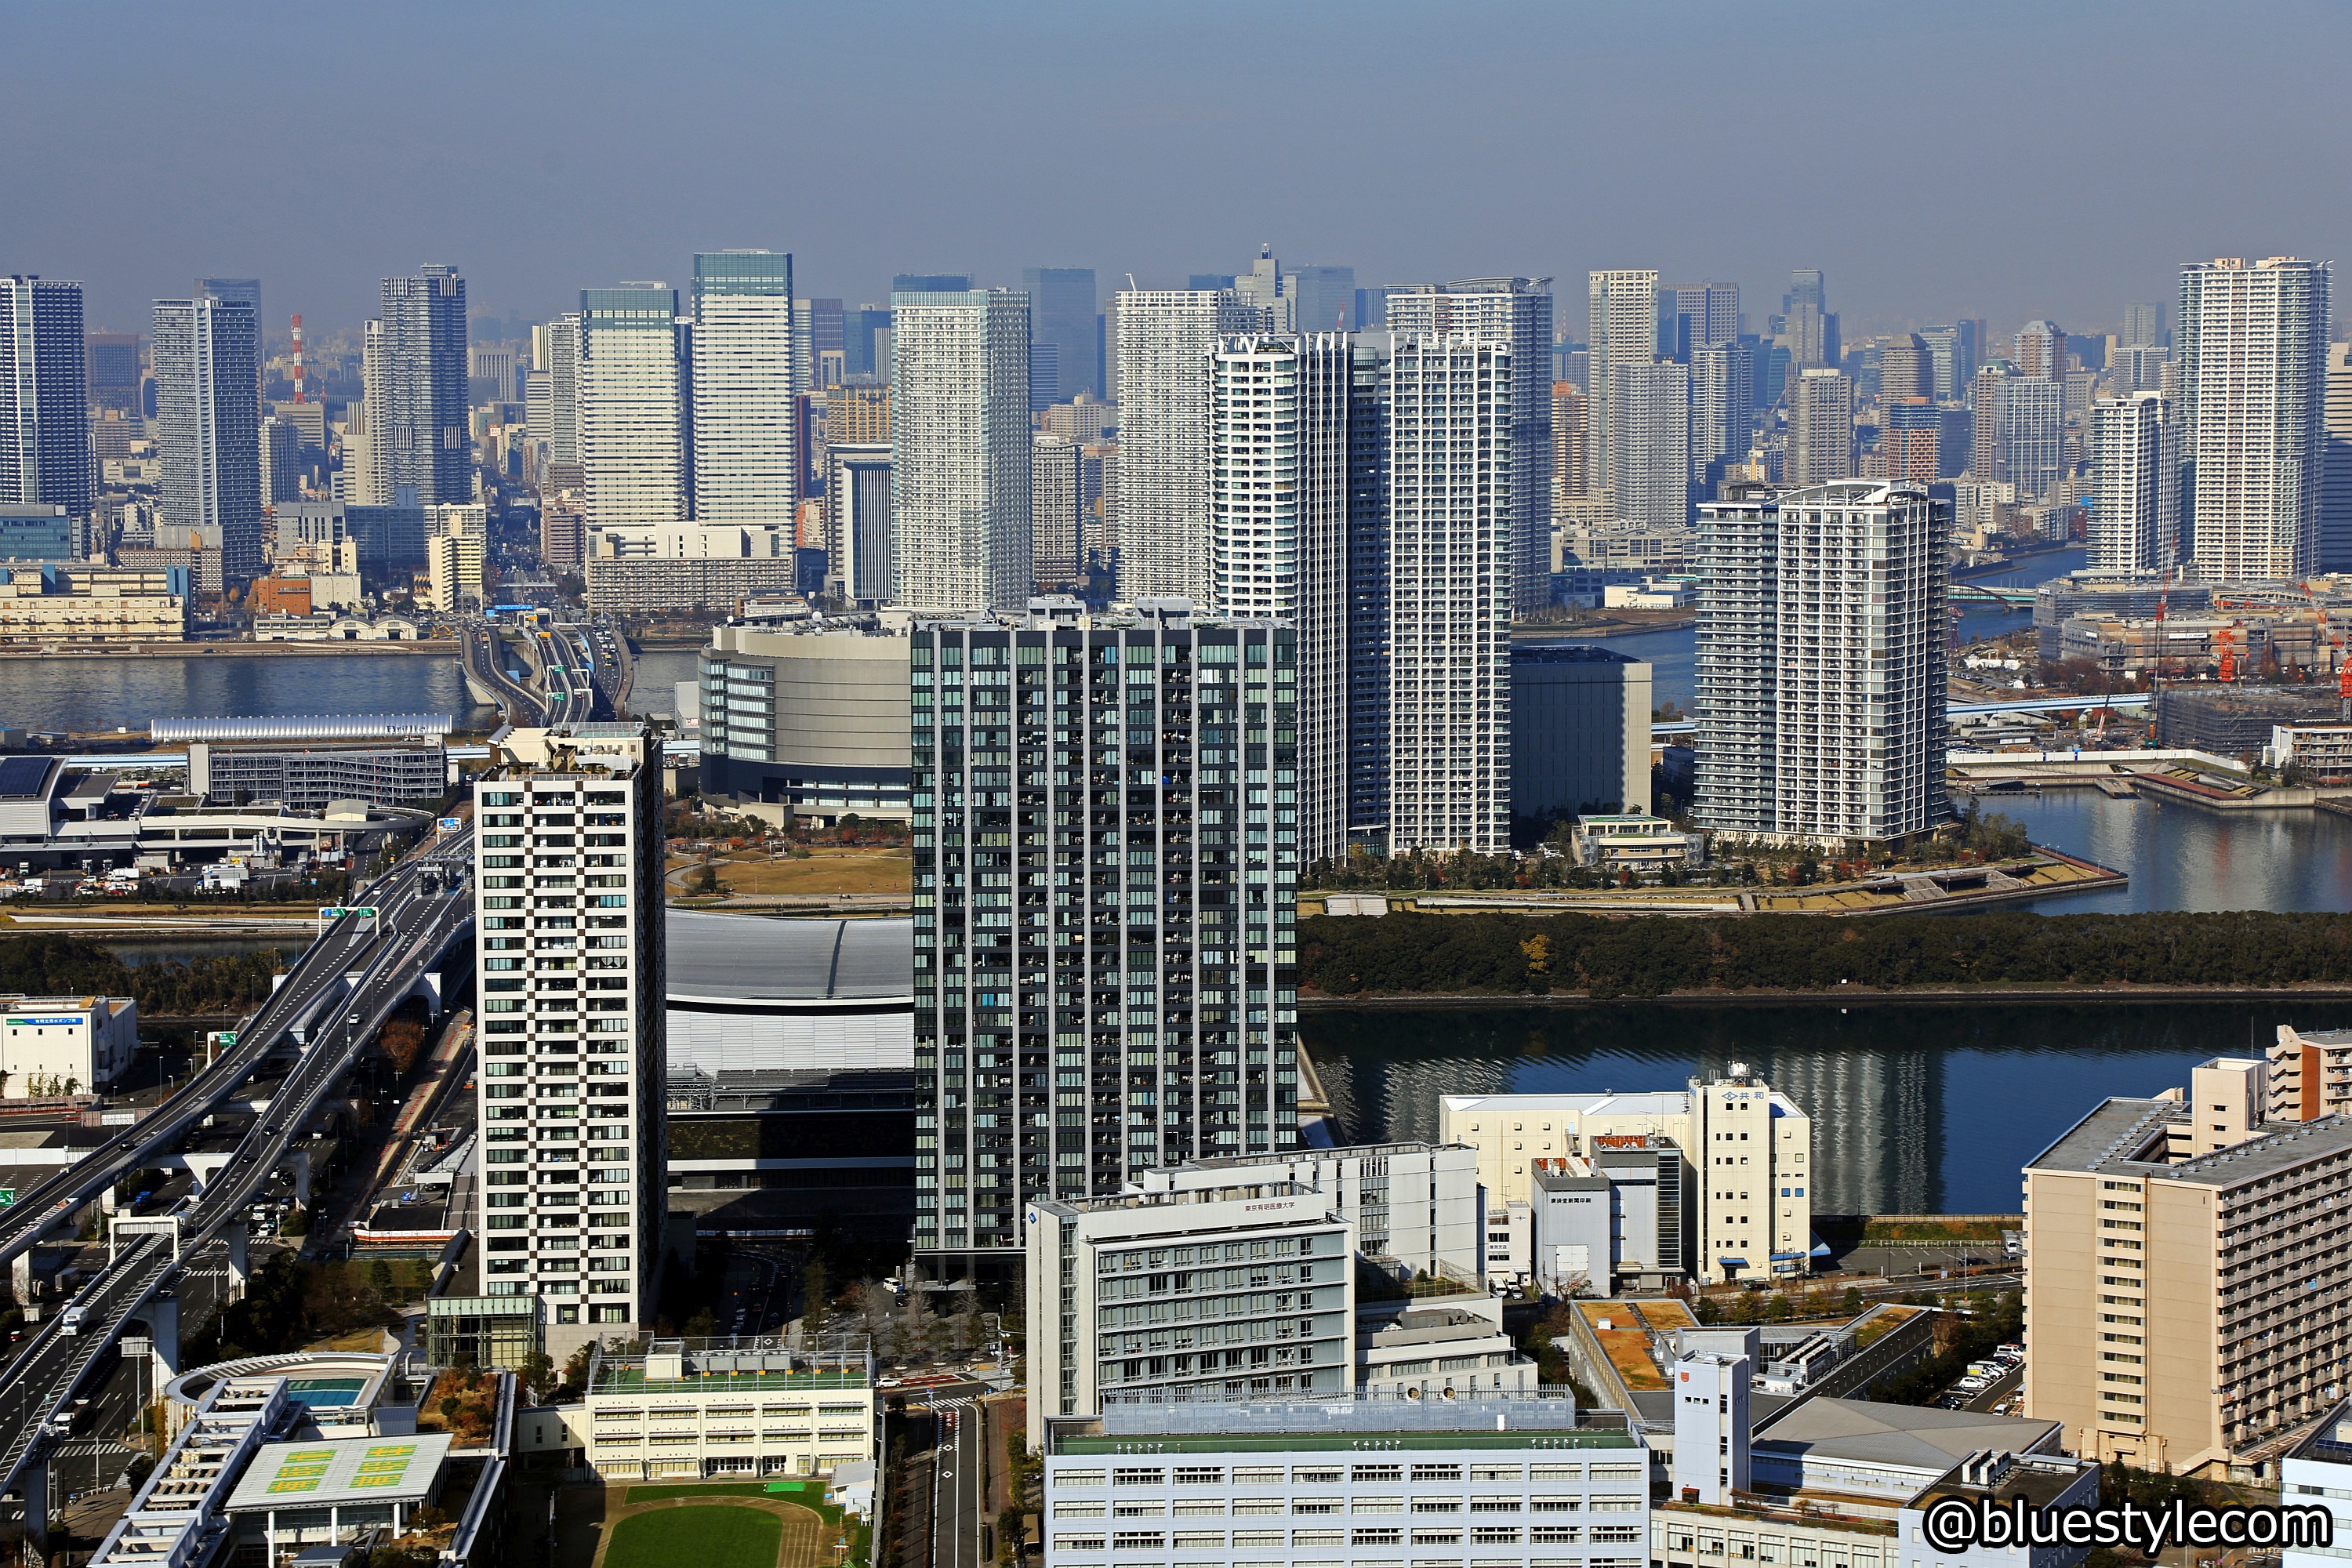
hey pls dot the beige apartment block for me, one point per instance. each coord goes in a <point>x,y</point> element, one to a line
<point>1748,1146</point>
<point>2308,1076</point>
<point>2188,1303</point>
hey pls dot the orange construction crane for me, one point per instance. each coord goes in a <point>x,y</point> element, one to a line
<point>2229,670</point>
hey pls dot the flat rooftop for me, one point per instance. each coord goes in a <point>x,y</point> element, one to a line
<point>2119,1132</point>
<point>747,959</point>
<point>2040,1480</point>
<point>1547,1439</point>
<point>1916,1437</point>
<point>336,1471</point>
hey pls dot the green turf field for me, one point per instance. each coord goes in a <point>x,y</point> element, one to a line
<point>718,1536</point>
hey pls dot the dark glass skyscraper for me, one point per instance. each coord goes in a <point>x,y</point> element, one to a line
<point>45,457</point>
<point>1062,313</point>
<point>417,409</point>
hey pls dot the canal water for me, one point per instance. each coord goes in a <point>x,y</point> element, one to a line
<point>97,694</point>
<point>1917,1107</point>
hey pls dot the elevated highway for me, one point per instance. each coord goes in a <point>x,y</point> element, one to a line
<point>340,992</point>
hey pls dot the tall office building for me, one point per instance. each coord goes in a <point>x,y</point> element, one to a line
<point>1622,329</point>
<point>568,945</point>
<point>210,437</point>
<point>1649,443</point>
<point>1451,445</point>
<point>1820,428</point>
<point>1105,870</point>
<point>746,454</point>
<point>1820,662</point>
<point>1570,476</point>
<point>1722,418</point>
<point>1160,492</point>
<point>633,408</point>
<point>281,461</point>
<point>45,399</point>
<point>114,368</point>
<point>959,449</point>
<point>1692,316</point>
<point>1265,287</point>
<point>1807,285</point>
<point>1061,311</point>
<point>1323,300</point>
<point>1513,313</point>
<point>2041,351</point>
<point>857,518</point>
<point>2252,342</point>
<point>418,434</point>
<point>2335,488</point>
<point>2143,327</point>
<point>1952,361</point>
<point>1280,493</point>
<point>2135,511</point>
<point>555,351</point>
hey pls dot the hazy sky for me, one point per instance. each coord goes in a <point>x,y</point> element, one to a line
<point>2007,160</point>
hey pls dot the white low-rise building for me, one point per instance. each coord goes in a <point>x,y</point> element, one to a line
<point>1635,841</point>
<point>2317,1472</point>
<point>64,1045</point>
<point>1504,1483</point>
<point>1413,1205</point>
<point>1237,1292</point>
<point>1747,1150</point>
<point>731,1407</point>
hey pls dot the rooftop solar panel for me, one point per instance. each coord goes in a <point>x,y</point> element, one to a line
<point>24,777</point>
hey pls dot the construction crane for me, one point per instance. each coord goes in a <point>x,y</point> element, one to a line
<point>2229,658</point>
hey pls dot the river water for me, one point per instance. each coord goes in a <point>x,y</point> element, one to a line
<point>1917,1107</point>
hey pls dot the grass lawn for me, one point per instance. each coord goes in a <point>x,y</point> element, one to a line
<point>714,1537</point>
<point>826,869</point>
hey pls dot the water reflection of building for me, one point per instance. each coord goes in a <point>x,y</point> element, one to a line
<point>1878,1125</point>
<point>1877,1115</point>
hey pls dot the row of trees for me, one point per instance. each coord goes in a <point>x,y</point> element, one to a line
<point>58,965</point>
<point>1598,956</point>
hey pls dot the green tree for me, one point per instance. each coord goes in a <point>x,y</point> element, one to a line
<point>538,1372</point>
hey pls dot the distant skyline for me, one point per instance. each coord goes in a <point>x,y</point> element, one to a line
<point>2007,160</point>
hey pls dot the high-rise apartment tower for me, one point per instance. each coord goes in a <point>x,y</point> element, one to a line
<point>569,946</point>
<point>1105,863</point>
<point>959,449</point>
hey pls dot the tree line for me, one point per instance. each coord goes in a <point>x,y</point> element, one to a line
<point>1598,956</point>
<point>59,965</point>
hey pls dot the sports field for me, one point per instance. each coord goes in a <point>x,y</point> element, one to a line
<point>707,1535</point>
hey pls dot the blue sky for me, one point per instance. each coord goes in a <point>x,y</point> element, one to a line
<point>2007,160</point>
